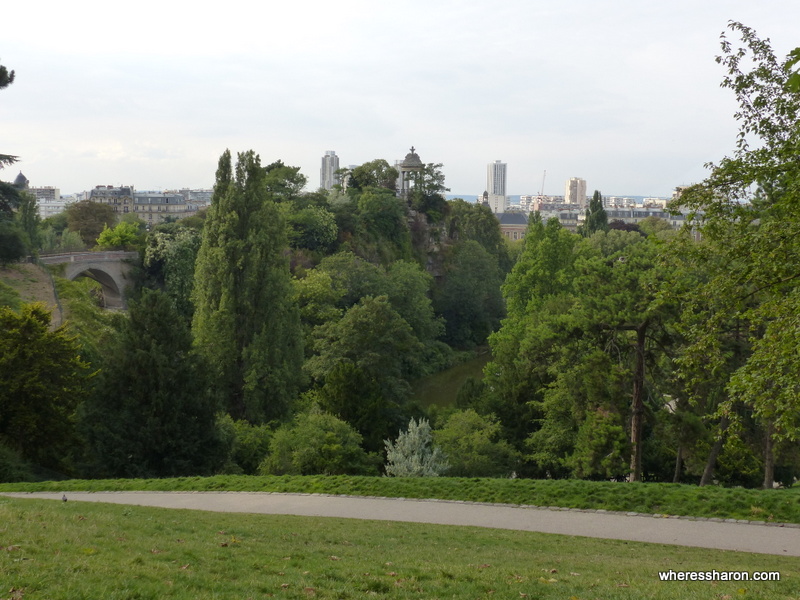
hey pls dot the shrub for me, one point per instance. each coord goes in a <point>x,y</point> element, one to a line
<point>413,453</point>
<point>472,445</point>
<point>317,443</point>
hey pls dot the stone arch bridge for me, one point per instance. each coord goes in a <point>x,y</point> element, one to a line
<point>111,270</point>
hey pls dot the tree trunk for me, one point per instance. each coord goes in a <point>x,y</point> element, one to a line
<point>769,458</point>
<point>637,406</point>
<point>676,477</point>
<point>708,472</point>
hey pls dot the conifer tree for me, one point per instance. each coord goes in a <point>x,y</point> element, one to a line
<point>246,323</point>
<point>151,414</point>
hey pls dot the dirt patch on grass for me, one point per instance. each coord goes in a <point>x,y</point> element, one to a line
<point>33,284</point>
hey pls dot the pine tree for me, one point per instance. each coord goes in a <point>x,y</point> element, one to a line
<point>151,414</point>
<point>245,322</point>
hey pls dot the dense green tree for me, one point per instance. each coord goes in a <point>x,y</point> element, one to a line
<point>596,216</point>
<point>428,194</point>
<point>124,236</point>
<point>469,296</point>
<point>248,443</point>
<point>28,221</point>
<point>42,380</point>
<point>6,77</point>
<point>375,338</point>
<point>283,183</point>
<point>317,443</point>
<point>89,219</point>
<point>383,234</point>
<point>246,321</point>
<point>473,221</point>
<point>473,446</point>
<point>373,174</point>
<point>169,258</point>
<point>151,414</point>
<point>362,364</point>
<point>747,213</point>
<point>313,228</point>
<point>12,242</point>
<point>538,290</point>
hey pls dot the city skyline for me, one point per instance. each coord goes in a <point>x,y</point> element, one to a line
<point>632,103</point>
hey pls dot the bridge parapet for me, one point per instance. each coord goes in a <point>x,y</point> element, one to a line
<point>110,269</point>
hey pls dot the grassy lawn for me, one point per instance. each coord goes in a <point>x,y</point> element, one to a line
<point>77,550</point>
<point>654,498</point>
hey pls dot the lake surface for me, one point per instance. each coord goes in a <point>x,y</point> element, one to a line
<point>442,388</point>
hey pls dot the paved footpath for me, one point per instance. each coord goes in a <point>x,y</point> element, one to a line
<point>783,540</point>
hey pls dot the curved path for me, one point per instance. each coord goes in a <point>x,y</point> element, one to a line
<point>719,534</point>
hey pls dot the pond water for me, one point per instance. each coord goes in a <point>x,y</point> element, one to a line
<point>442,388</point>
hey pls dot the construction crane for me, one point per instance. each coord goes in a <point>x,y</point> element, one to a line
<point>544,175</point>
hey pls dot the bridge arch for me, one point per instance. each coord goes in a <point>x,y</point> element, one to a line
<point>110,269</point>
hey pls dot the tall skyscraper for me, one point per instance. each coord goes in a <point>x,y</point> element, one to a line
<point>496,178</point>
<point>575,192</point>
<point>496,186</point>
<point>327,174</point>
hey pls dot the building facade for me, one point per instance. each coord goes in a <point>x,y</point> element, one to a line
<point>327,173</point>
<point>575,192</point>
<point>119,198</point>
<point>496,186</point>
<point>156,207</point>
<point>513,225</point>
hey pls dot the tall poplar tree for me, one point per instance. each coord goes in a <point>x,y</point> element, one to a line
<point>245,322</point>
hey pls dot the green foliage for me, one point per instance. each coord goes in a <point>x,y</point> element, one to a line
<point>282,182</point>
<point>246,323</point>
<point>13,467</point>
<point>27,218</point>
<point>89,219</point>
<point>413,454</point>
<point>53,239</point>
<point>124,236</point>
<point>317,442</point>
<point>596,216</point>
<point>9,296</point>
<point>150,414</point>
<point>313,228</point>
<point>374,174</point>
<point>6,77</point>
<point>427,194</point>
<point>42,379</point>
<point>248,443</point>
<point>374,337</point>
<point>12,242</point>
<point>747,213</point>
<point>469,297</point>
<point>476,222</point>
<point>382,234</point>
<point>601,447</point>
<point>170,257</point>
<point>473,447</point>
<point>93,326</point>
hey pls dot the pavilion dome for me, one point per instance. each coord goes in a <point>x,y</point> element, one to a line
<point>412,160</point>
<point>21,182</point>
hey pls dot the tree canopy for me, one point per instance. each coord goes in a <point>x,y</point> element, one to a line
<point>246,322</point>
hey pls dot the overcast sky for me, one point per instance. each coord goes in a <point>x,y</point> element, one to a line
<point>623,93</point>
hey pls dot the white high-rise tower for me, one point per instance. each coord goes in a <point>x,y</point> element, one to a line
<point>496,186</point>
<point>327,174</point>
<point>575,192</point>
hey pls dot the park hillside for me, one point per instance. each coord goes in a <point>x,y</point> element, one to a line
<point>282,331</point>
